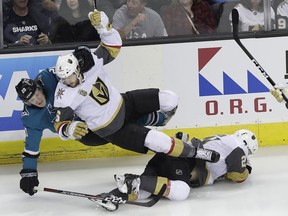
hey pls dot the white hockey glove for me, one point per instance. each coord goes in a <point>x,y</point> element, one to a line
<point>277,93</point>
<point>100,21</point>
<point>76,129</point>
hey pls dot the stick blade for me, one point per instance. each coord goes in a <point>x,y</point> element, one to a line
<point>153,201</point>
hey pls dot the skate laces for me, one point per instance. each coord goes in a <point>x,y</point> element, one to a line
<point>204,154</point>
<point>128,183</point>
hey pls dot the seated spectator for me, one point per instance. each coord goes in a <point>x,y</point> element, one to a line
<point>185,17</point>
<point>156,5</point>
<point>72,24</point>
<point>282,15</point>
<point>22,27</point>
<point>51,5</point>
<point>46,11</point>
<point>109,7</point>
<point>134,20</point>
<point>251,15</point>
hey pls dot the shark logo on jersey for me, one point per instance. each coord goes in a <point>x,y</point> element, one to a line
<point>100,92</point>
<point>25,112</point>
<point>60,93</point>
<point>50,108</point>
<point>39,80</point>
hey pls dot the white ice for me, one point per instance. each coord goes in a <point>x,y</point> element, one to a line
<point>263,194</point>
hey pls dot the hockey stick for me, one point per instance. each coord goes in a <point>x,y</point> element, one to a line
<point>95,4</point>
<point>150,203</point>
<point>235,24</point>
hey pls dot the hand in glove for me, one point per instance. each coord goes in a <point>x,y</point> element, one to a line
<point>248,166</point>
<point>29,180</point>
<point>100,21</point>
<point>182,136</point>
<point>279,94</point>
<point>76,129</point>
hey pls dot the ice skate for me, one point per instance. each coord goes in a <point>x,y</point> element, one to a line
<point>207,155</point>
<point>129,183</point>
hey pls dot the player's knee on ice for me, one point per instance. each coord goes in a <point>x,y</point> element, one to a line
<point>179,190</point>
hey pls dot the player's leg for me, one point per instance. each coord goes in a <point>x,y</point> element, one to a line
<point>151,107</point>
<point>160,142</point>
<point>141,187</point>
<point>139,139</point>
<point>92,139</point>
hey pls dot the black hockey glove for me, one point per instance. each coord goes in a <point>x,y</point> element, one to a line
<point>249,168</point>
<point>29,180</point>
<point>85,58</point>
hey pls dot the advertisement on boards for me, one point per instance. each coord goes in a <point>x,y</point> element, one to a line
<point>217,84</point>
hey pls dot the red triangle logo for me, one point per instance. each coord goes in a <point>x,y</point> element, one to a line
<point>205,55</point>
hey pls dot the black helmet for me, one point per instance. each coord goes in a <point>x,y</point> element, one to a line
<point>26,89</point>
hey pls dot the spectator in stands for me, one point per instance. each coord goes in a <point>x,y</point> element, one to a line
<point>156,5</point>
<point>51,5</point>
<point>72,24</point>
<point>46,11</point>
<point>134,20</point>
<point>251,15</point>
<point>22,27</point>
<point>282,15</point>
<point>185,17</point>
<point>110,6</point>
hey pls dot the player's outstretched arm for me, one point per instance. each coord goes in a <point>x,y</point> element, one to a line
<point>111,41</point>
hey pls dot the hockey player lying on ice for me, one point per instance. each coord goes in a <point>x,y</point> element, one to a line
<point>180,174</point>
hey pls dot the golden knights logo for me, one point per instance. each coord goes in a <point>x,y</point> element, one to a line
<point>60,93</point>
<point>100,92</point>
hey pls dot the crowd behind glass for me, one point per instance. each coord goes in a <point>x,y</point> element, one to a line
<point>33,22</point>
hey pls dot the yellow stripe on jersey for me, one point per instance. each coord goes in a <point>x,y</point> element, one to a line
<point>113,50</point>
<point>132,197</point>
<point>59,124</point>
<point>112,118</point>
<point>177,147</point>
<point>237,177</point>
<point>160,182</point>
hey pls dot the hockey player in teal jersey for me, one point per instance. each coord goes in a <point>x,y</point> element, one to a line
<point>38,114</point>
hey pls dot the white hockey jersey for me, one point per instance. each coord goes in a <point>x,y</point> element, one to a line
<point>95,101</point>
<point>233,159</point>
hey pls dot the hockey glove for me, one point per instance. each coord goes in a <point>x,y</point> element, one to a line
<point>100,21</point>
<point>29,180</point>
<point>277,93</point>
<point>182,136</point>
<point>248,166</point>
<point>85,58</point>
<point>76,129</point>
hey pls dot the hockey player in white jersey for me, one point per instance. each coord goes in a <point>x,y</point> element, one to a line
<point>181,174</point>
<point>85,90</point>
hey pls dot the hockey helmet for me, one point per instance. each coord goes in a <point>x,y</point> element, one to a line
<point>66,65</point>
<point>249,139</point>
<point>26,89</point>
